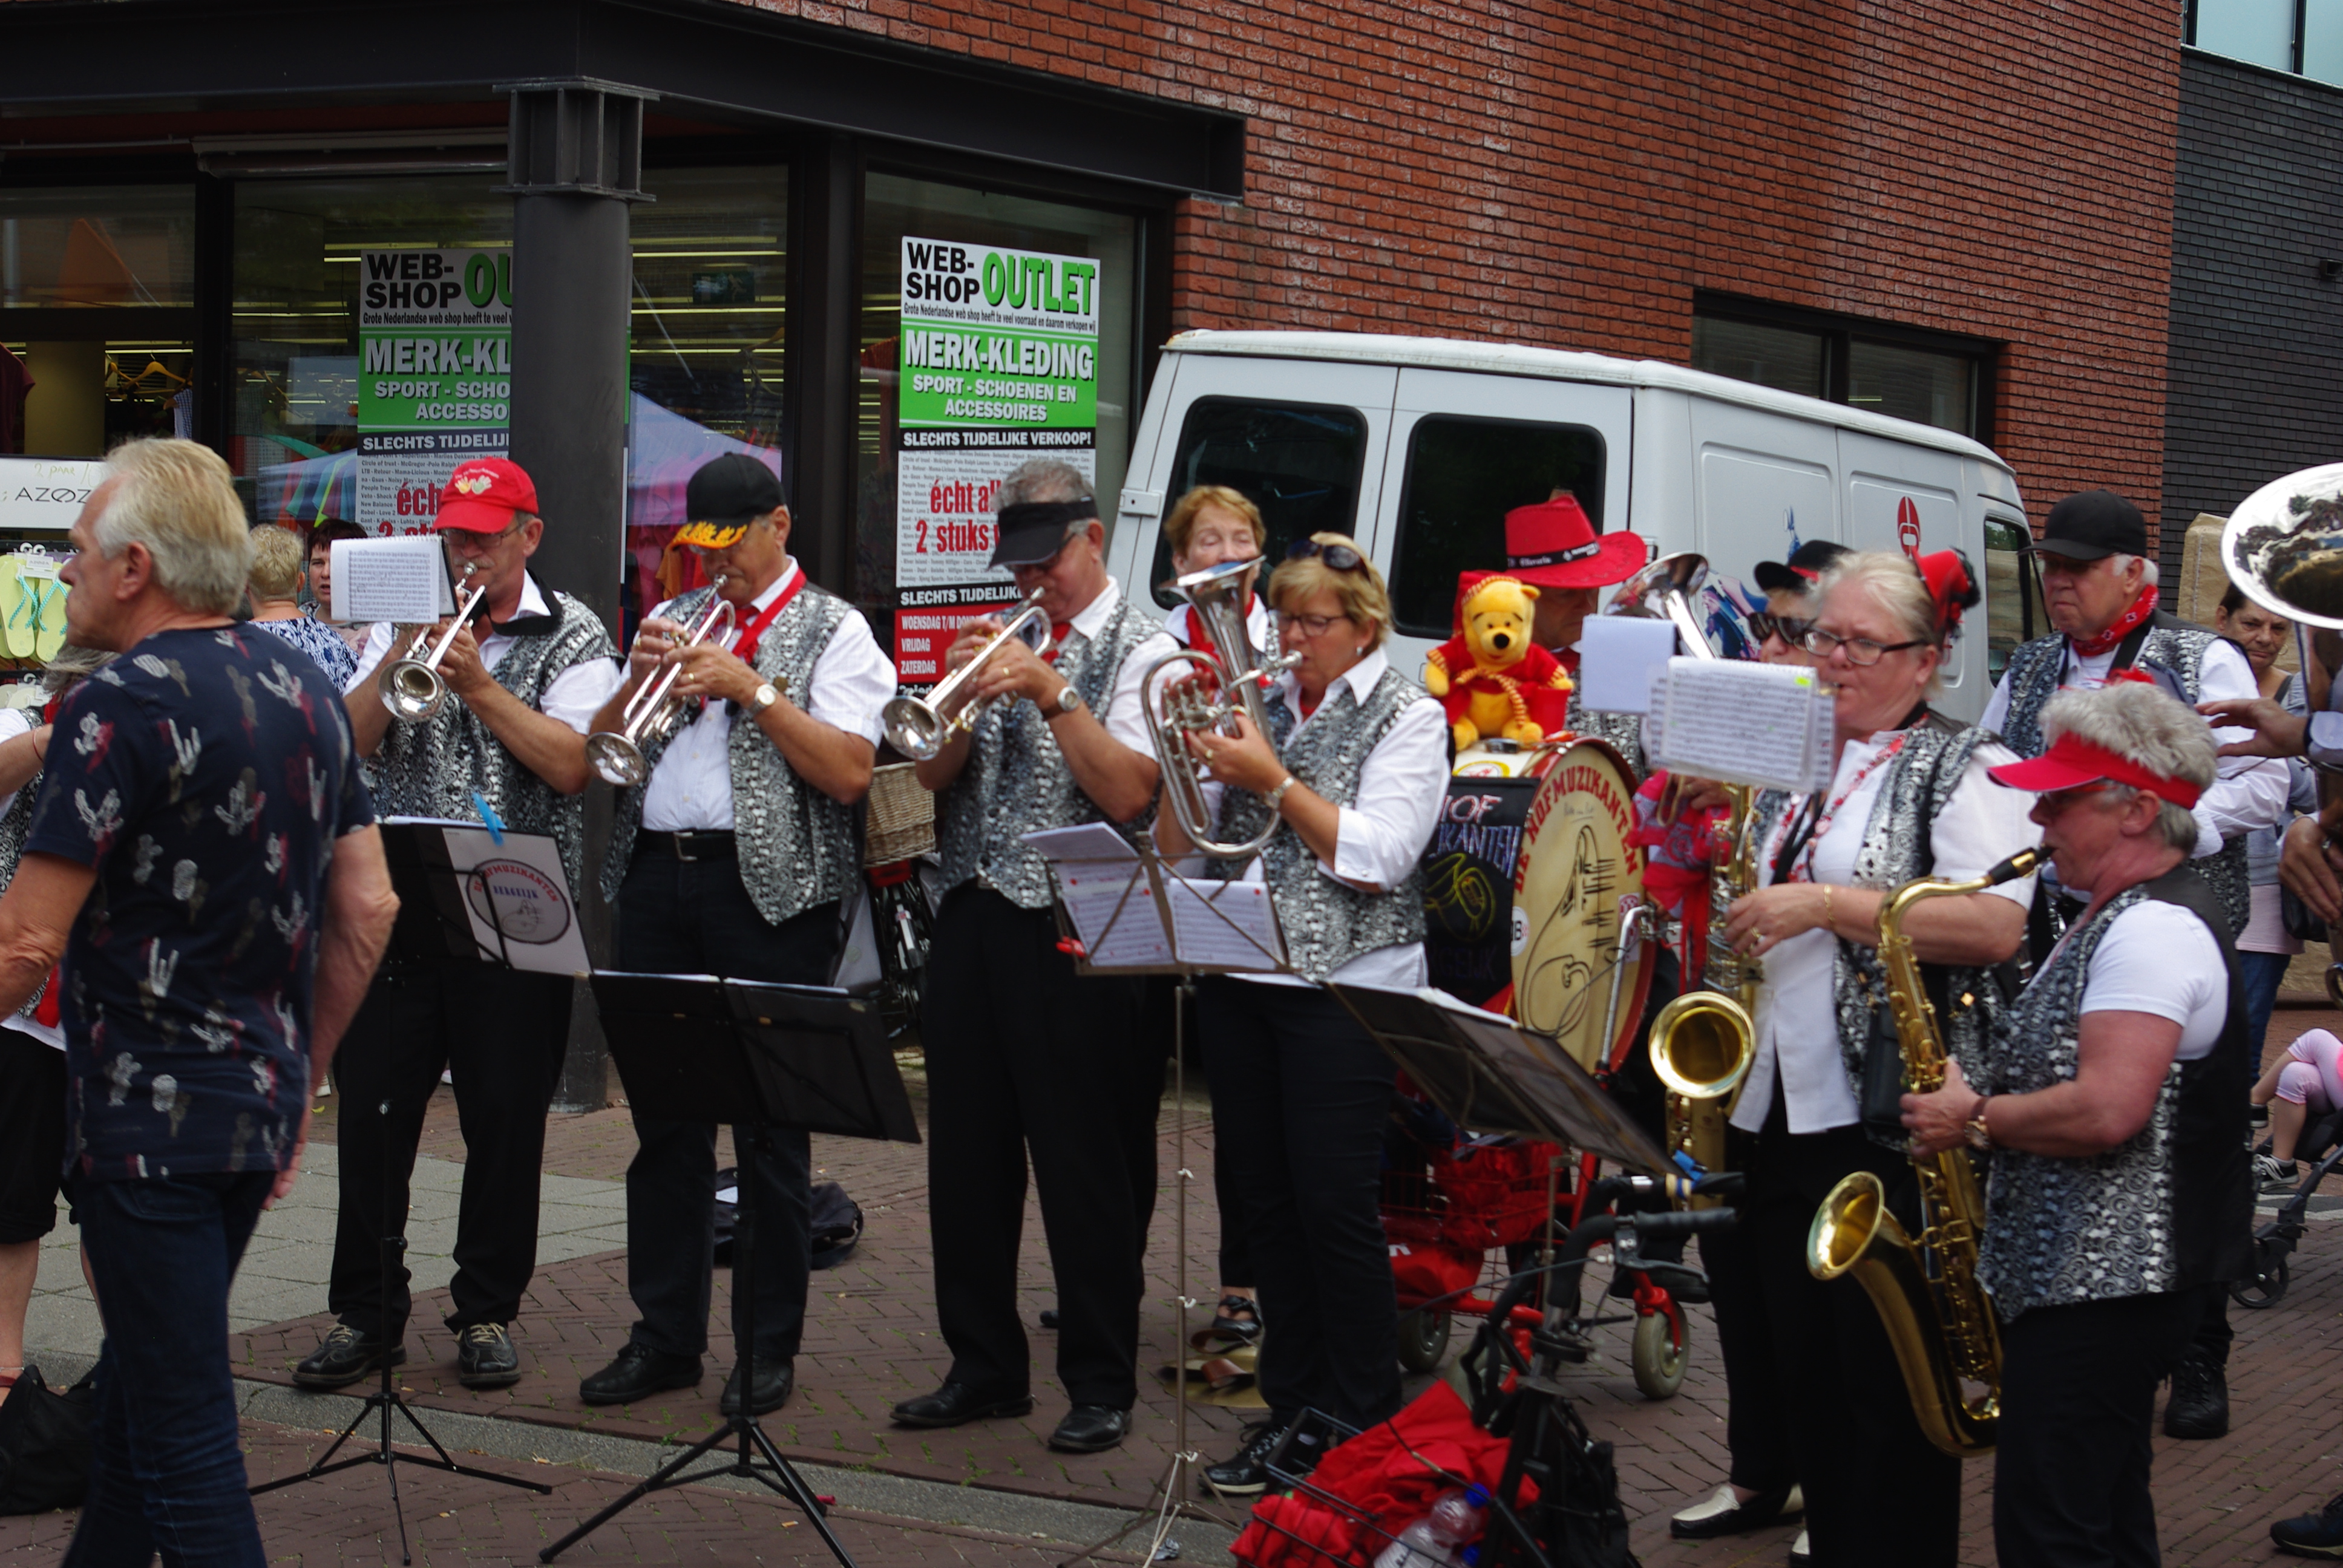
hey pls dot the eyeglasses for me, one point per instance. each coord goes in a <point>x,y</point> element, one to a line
<point>1765,626</point>
<point>1861,651</point>
<point>2050,802</point>
<point>466,542</point>
<point>1315,625</point>
<point>1338,558</point>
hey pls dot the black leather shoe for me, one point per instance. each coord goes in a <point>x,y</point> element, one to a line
<point>345,1356</point>
<point>1246,1472</point>
<point>638,1373</point>
<point>1722,1515</point>
<point>1091,1429</point>
<point>956,1404</point>
<point>485,1357</point>
<point>2199,1405</point>
<point>775,1378</point>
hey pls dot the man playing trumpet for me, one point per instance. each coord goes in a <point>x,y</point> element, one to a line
<point>731,858</point>
<point>1023,1056</point>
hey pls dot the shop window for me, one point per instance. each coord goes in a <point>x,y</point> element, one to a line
<point>1297,462</point>
<point>1462,477</point>
<point>1929,378</point>
<point>2258,31</point>
<point>995,328</point>
<point>1911,384</point>
<point>97,316</point>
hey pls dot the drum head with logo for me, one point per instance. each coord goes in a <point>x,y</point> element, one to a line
<point>1576,877</point>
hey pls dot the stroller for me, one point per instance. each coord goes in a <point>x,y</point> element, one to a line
<point>2263,1282</point>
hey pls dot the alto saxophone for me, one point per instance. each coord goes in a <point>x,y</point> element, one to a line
<point>1703,1041</point>
<point>1941,1324</point>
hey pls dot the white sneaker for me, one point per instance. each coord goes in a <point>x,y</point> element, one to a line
<point>1799,1551</point>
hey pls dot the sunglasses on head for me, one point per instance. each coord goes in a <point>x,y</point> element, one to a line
<point>1765,626</point>
<point>1338,558</point>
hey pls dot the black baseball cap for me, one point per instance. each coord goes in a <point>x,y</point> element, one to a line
<point>725,494</point>
<point>1797,574</point>
<point>2091,525</point>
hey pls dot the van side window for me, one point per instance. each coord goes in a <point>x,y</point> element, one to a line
<point>1297,462</point>
<point>2013,594</point>
<point>1462,477</point>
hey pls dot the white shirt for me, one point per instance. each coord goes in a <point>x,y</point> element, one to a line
<point>1381,835</point>
<point>1125,716</point>
<point>2247,793</point>
<point>2157,958</point>
<point>690,791</point>
<point>1256,625</point>
<point>1798,1006</point>
<point>573,697</point>
<point>16,721</point>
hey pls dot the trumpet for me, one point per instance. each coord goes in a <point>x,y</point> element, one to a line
<point>1218,594</point>
<point>917,727</point>
<point>412,688</point>
<point>651,713</point>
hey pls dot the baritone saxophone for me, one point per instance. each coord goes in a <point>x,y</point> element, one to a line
<point>1941,1323</point>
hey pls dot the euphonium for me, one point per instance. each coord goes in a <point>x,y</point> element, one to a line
<point>1925,1287</point>
<point>1218,594</point>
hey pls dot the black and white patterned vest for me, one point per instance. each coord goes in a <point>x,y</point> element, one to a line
<point>434,770</point>
<point>2168,1208</point>
<point>2031,679</point>
<point>1625,731</point>
<point>1328,923</point>
<point>1897,847</point>
<point>1016,781</point>
<point>15,826</point>
<point>797,846</point>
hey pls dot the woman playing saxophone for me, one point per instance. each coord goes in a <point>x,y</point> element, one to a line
<point>1907,800</point>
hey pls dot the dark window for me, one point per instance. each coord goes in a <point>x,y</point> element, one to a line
<point>1929,378</point>
<point>1297,462</point>
<point>1462,477</point>
<point>2013,594</point>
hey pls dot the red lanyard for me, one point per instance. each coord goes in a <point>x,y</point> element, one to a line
<point>744,647</point>
<point>1803,870</point>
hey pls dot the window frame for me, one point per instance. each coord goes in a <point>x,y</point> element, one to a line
<point>1159,558</point>
<point>1840,333</point>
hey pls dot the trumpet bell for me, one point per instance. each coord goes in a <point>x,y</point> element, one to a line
<point>413,691</point>
<point>617,758</point>
<point>1703,1044</point>
<point>913,728</point>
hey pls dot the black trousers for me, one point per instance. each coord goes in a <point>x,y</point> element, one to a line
<point>1300,1095</point>
<point>1757,1417</point>
<point>2070,1478</point>
<point>694,916</point>
<point>1869,1475</point>
<point>1026,1059</point>
<point>502,1033</point>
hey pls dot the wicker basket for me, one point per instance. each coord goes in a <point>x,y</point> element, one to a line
<point>901,823</point>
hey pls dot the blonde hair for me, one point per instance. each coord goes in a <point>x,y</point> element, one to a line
<point>178,499</point>
<point>2148,728</point>
<point>1895,584</point>
<point>1361,593</point>
<point>1182,521</point>
<point>277,561</point>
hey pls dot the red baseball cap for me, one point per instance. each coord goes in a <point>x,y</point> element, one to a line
<point>482,496</point>
<point>2072,762</point>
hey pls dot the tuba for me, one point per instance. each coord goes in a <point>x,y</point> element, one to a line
<point>1703,1041</point>
<point>1940,1323</point>
<point>1218,594</point>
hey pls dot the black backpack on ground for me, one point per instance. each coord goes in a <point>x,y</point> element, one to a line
<point>45,1443</point>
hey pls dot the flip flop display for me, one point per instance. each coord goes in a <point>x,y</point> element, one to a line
<point>15,621</point>
<point>44,597</point>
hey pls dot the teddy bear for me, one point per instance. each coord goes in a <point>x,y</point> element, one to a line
<point>1490,677</point>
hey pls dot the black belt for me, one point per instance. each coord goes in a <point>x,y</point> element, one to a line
<point>703,844</point>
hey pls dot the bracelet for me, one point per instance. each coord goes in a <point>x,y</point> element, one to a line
<point>1830,919</point>
<point>1277,796</point>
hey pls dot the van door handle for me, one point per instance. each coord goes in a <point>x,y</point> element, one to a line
<point>1142,502</point>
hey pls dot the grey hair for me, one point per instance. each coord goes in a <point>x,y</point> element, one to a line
<point>1044,481</point>
<point>2150,572</point>
<point>1895,584</point>
<point>2146,725</point>
<point>72,666</point>
<point>179,501</point>
<point>276,562</point>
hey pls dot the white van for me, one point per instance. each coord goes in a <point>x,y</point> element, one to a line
<point>1418,446</point>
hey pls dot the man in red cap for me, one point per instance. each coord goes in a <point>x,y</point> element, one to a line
<point>1555,549</point>
<point>525,679</point>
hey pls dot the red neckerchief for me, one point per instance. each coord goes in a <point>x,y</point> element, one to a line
<point>744,647</point>
<point>1059,631</point>
<point>2141,608</point>
<point>1196,637</point>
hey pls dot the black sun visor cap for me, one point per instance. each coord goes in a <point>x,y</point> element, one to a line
<point>1030,532</point>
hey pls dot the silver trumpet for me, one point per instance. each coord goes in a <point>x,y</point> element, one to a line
<point>412,688</point>
<point>918,727</point>
<point>652,712</point>
<point>1218,594</point>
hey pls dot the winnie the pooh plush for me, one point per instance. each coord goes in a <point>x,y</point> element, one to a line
<point>1490,677</point>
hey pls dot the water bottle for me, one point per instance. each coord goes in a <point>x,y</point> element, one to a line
<point>1435,1540</point>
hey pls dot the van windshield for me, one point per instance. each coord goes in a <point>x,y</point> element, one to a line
<point>2013,593</point>
<point>1297,462</point>
<point>1462,477</point>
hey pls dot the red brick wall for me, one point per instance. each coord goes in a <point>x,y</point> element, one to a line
<point>1569,175</point>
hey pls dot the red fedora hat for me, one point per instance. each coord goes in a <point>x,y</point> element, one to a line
<point>1552,545</point>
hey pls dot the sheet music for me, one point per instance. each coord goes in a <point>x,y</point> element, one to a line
<point>1114,913</point>
<point>1224,925</point>
<point>1762,724</point>
<point>402,580</point>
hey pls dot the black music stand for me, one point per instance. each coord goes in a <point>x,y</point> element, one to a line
<point>753,1056</point>
<point>1242,948</point>
<point>431,929</point>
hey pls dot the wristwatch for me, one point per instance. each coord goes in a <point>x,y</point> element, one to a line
<point>1069,699</point>
<point>765,696</point>
<point>1980,1135</point>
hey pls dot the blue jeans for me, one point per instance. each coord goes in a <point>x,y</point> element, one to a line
<point>168,1473</point>
<point>2260,974</point>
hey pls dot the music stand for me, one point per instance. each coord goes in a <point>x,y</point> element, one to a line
<point>432,893</point>
<point>1192,934</point>
<point>753,1056</point>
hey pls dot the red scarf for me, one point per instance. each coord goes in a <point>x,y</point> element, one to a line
<point>2141,608</point>
<point>1196,637</point>
<point>744,647</point>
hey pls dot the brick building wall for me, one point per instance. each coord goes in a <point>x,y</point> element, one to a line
<point>1569,175</point>
<point>2257,333</point>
